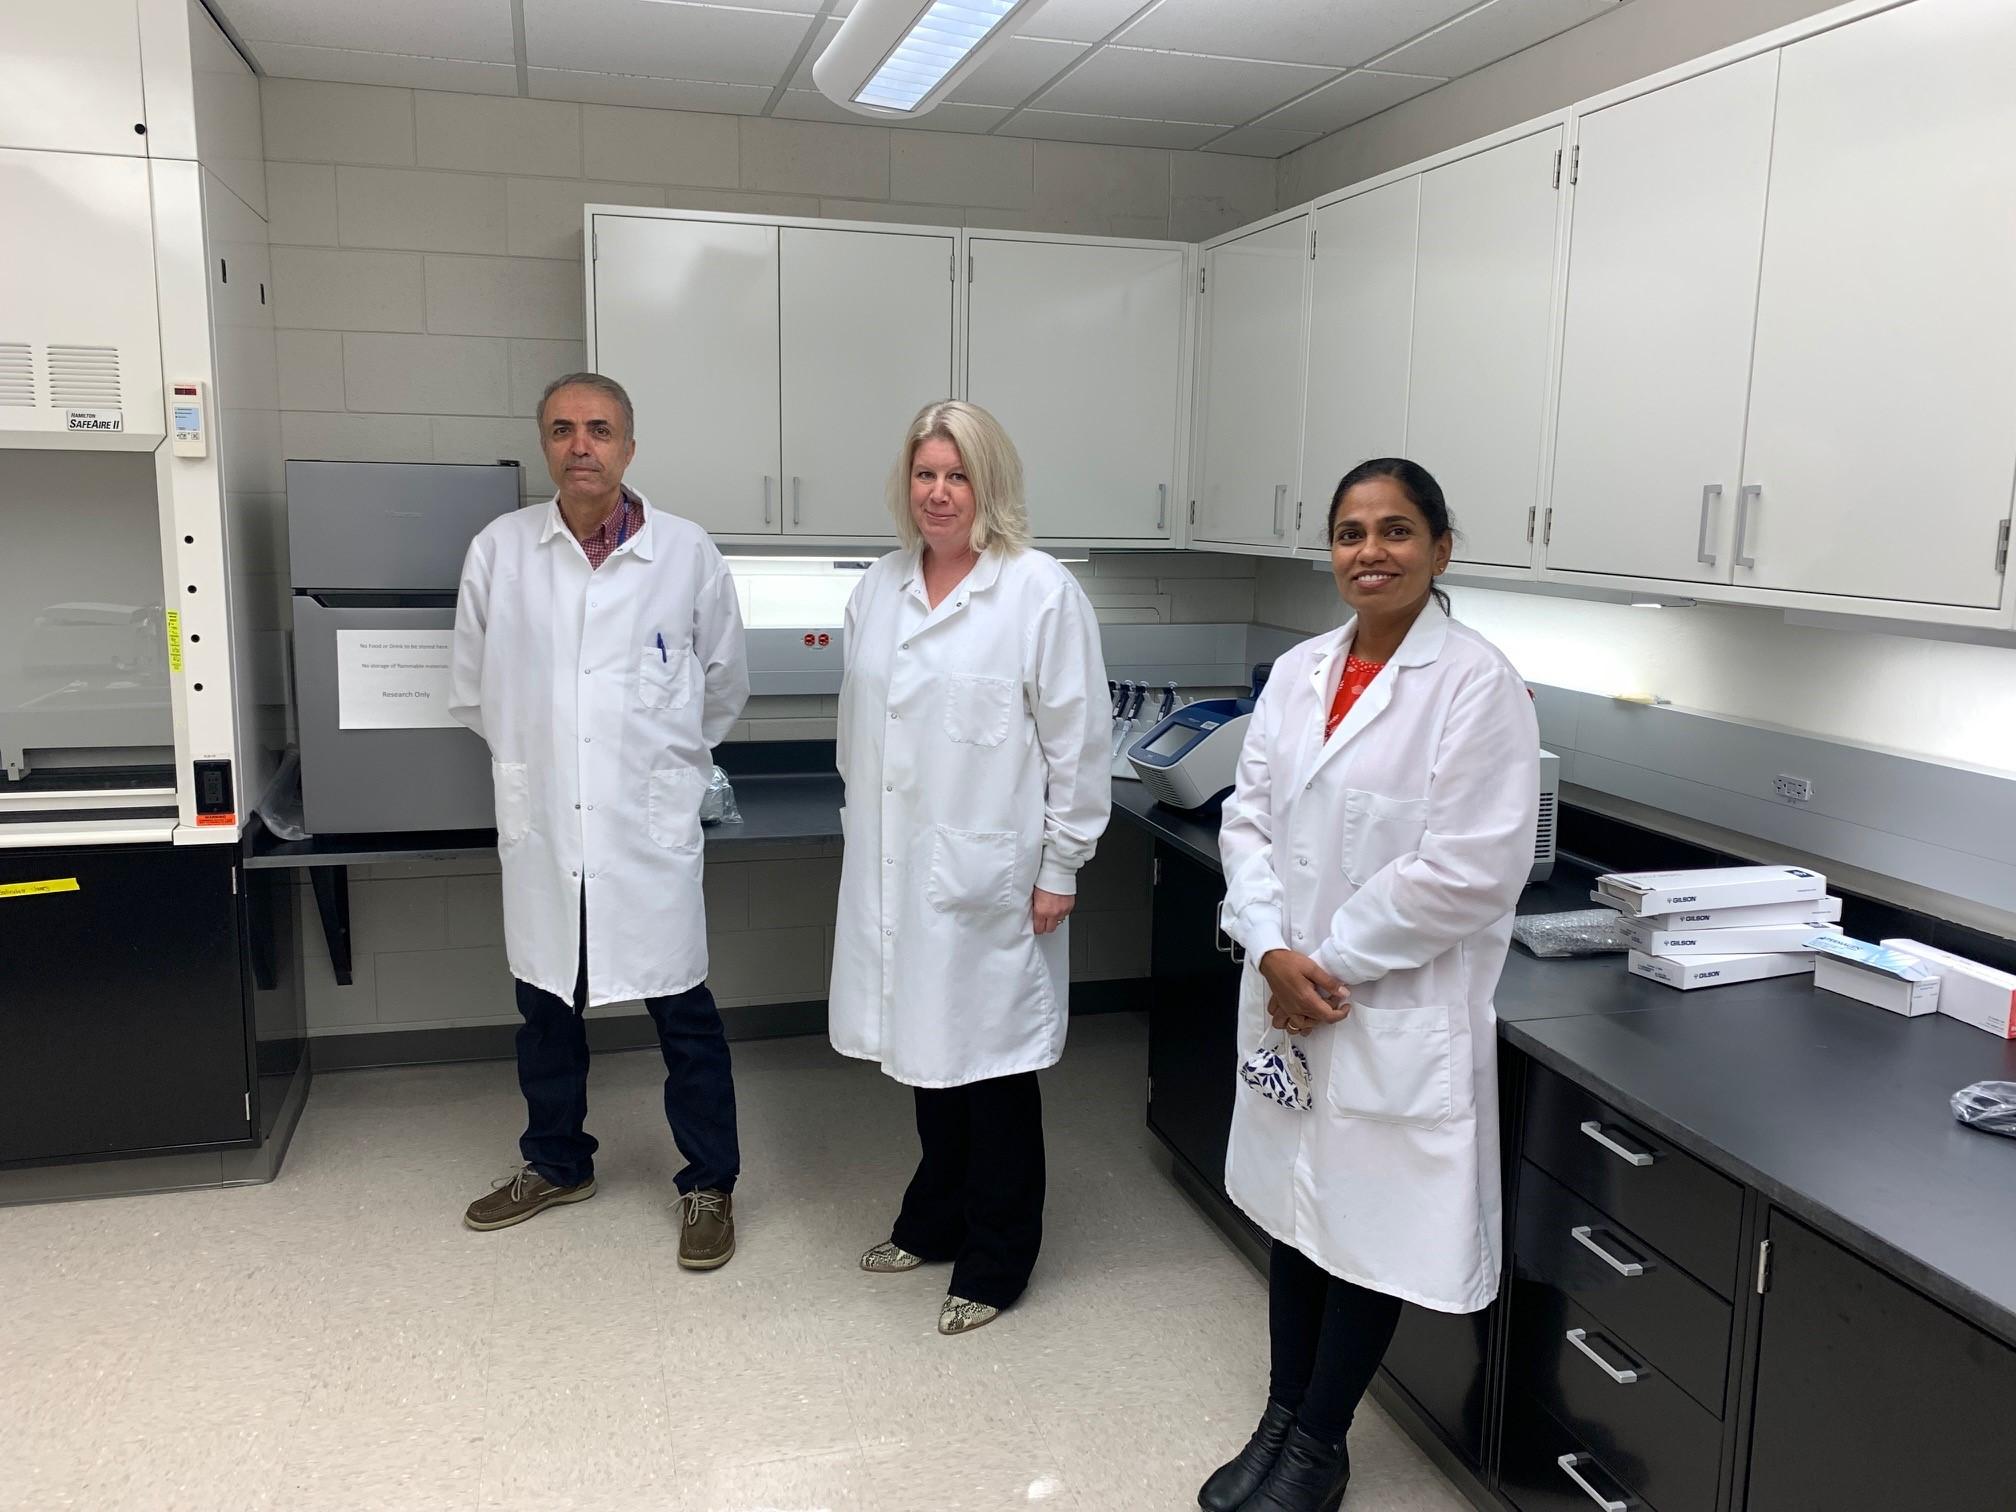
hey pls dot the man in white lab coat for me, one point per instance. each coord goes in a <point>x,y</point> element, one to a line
<point>599,651</point>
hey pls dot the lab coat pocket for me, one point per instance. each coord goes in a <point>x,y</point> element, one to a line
<point>1392,1065</point>
<point>977,709</point>
<point>1378,831</point>
<point>673,807</point>
<point>664,679</point>
<point>972,871</point>
<point>512,785</point>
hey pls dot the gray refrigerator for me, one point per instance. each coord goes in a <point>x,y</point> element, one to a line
<point>376,552</point>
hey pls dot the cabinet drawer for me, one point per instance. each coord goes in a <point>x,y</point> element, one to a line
<point>1642,1428</point>
<point>1533,1475</point>
<point>1654,1309</point>
<point>1667,1197</point>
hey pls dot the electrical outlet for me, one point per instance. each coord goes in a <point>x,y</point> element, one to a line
<point>1794,789</point>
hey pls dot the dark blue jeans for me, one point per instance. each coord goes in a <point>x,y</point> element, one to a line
<point>699,1086</point>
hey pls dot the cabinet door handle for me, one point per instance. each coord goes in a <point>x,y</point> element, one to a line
<point>1579,1337</point>
<point>1571,1465</point>
<point>766,498</point>
<point>1161,506</point>
<point>794,500</point>
<point>1701,552</point>
<point>1751,494</point>
<point>1631,1157</point>
<point>1280,499</point>
<point>1227,946</point>
<point>1580,1234</point>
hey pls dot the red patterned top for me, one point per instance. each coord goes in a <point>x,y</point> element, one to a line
<point>622,524</point>
<point>1357,678</point>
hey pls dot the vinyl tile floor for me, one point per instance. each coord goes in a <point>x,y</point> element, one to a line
<point>338,1340</point>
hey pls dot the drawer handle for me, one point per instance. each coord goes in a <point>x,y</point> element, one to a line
<point>1571,1464</point>
<point>1631,1157</point>
<point>1579,1337</point>
<point>1581,1235</point>
<point>1225,945</point>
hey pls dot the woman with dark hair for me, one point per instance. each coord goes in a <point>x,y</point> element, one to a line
<point>1376,840</point>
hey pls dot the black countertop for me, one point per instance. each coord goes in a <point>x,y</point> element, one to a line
<point>1837,1111</point>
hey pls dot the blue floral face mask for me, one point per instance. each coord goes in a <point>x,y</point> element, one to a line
<point>1279,1072</point>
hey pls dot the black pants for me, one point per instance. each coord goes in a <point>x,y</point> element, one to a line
<point>699,1085</point>
<point>1328,1336</point>
<point>977,1197</point>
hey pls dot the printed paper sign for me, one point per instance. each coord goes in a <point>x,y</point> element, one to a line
<point>393,679</point>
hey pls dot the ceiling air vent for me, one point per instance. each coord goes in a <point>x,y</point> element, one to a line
<point>84,377</point>
<point>17,374</point>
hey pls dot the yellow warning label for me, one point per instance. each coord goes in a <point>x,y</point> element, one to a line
<point>30,889</point>
<point>174,640</point>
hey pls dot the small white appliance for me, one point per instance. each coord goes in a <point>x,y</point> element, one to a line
<point>1192,756</point>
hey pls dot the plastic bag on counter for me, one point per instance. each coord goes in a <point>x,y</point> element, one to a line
<point>717,805</point>
<point>1989,1106</point>
<point>1582,932</point>
<point>281,806</point>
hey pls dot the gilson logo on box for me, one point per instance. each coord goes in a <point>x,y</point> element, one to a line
<point>96,420</point>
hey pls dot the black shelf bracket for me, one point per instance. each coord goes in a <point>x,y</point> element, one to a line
<point>332,901</point>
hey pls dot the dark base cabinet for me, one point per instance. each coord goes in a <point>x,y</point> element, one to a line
<point>1192,1020</point>
<point>1869,1396</point>
<point>1439,1359</point>
<point>123,1022</point>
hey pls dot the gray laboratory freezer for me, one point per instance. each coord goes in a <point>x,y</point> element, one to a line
<point>378,547</point>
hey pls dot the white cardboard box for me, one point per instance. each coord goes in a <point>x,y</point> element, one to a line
<point>1638,894</point>
<point>1690,972</point>
<point>1765,939</point>
<point>1811,911</point>
<point>1968,991</point>
<point>1866,983</point>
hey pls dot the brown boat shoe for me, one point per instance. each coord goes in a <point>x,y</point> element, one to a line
<point>706,1229</point>
<point>522,1194</point>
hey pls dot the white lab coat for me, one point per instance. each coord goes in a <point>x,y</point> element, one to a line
<point>600,741</point>
<point>975,740</point>
<point>1393,854</point>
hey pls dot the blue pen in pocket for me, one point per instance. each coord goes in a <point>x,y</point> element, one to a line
<point>661,646</point>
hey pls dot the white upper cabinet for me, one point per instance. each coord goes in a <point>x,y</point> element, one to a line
<point>70,78</point>
<point>1255,340</point>
<point>1882,439</point>
<point>1361,331</point>
<point>686,319</point>
<point>1483,339</point>
<point>866,327</point>
<point>1662,296</point>
<point>1077,349</point>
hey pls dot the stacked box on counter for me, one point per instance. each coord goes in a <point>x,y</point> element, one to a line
<point>1710,928</point>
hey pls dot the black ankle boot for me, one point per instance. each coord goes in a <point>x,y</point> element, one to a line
<point>1237,1479</point>
<point>1309,1476</point>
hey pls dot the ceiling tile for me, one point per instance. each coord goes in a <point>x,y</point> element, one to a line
<point>1116,131</point>
<point>1262,141</point>
<point>664,39</point>
<point>1333,33</point>
<point>803,78</point>
<point>640,89</point>
<point>1080,20</point>
<point>289,60</point>
<point>1120,81</point>
<point>1495,31</point>
<point>810,105</point>
<point>1352,98</point>
<point>1015,70</point>
<point>474,29</point>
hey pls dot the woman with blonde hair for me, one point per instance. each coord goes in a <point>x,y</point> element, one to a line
<point>973,741</point>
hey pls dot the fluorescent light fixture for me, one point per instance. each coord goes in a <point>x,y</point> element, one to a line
<point>901,57</point>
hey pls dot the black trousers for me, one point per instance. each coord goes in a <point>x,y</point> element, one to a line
<point>699,1085</point>
<point>977,1197</point>
<point>1327,1337</point>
